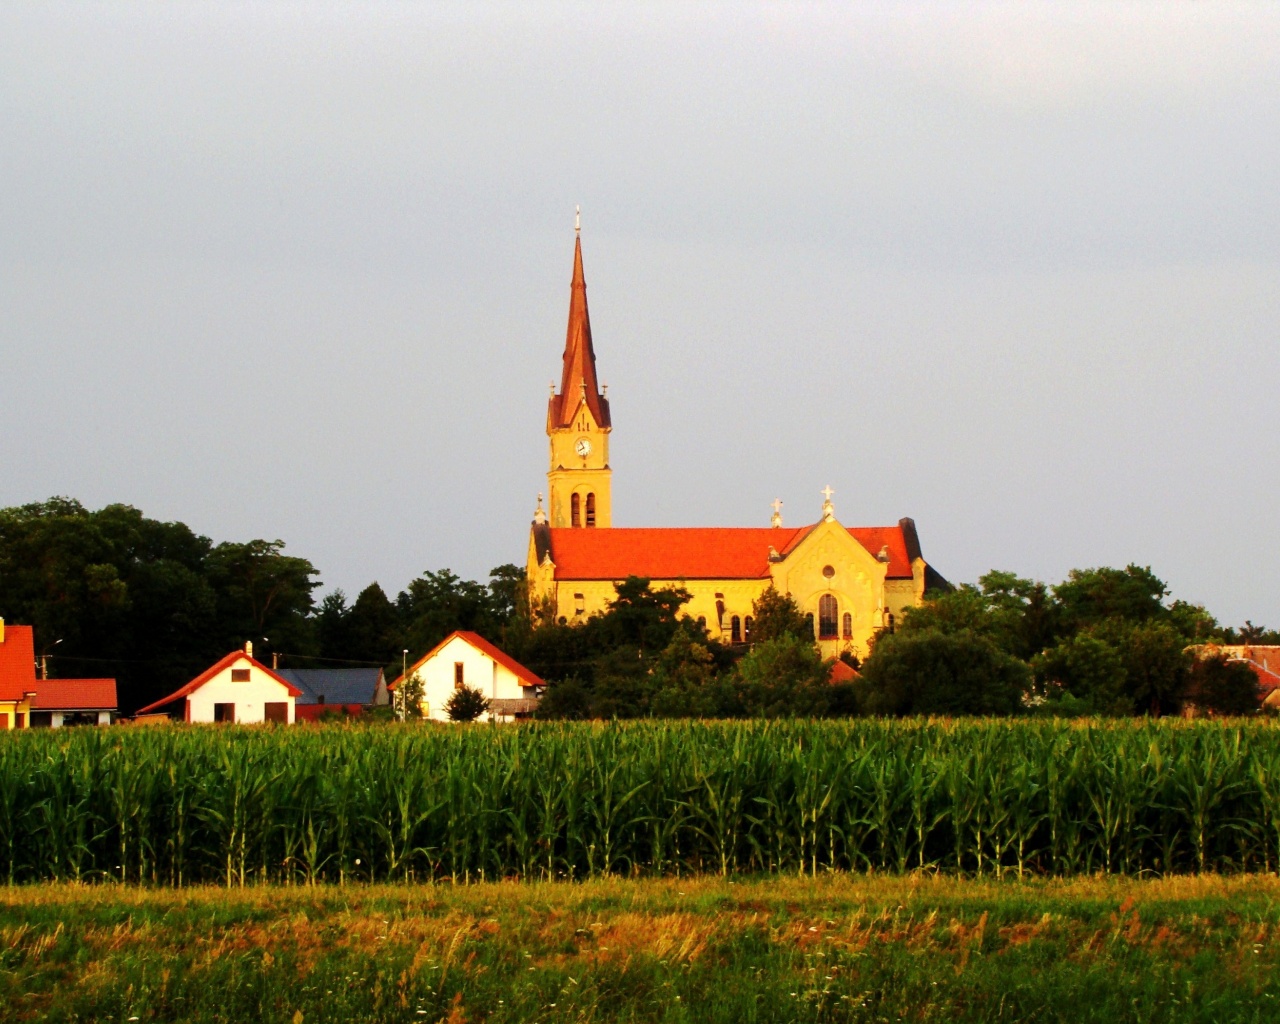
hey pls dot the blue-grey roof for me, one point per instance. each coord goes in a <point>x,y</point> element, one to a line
<point>336,685</point>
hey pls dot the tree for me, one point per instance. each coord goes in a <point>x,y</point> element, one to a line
<point>466,705</point>
<point>639,616</point>
<point>1087,669</point>
<point>1223,686</point>
<point>1090,596</point>
<point>783,677</point>
<point>930,672</point>
<point>685,681</point>
<point>775,615</point>
<point>263,592</point>
<point>408,698</point>
<point>1156,663</point>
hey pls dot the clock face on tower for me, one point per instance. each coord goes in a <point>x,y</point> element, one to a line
<point>583,447</point>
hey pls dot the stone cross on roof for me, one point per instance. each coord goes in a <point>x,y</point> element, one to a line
<point>828,509</point>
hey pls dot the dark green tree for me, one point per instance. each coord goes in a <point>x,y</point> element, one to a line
<point>466,705</point>
<point>782,678</point>
<point>775,615</point>
<point>930,672</point>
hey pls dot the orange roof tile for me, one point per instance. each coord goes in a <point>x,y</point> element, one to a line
<point>74,694</point>
<point>17,662</point>
<point>526,676</point>
<point>212,671</point>
<point>711,553</point>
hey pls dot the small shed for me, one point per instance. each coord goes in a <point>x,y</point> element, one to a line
<point>335,690</point>
<point>237,689</point>
<point>62,702</point>
<point>466,659</point>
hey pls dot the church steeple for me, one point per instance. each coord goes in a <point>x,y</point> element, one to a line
<point>578,376</point>
<point>578,422</point>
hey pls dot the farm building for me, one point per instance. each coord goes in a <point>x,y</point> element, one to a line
<point>335,690</point>
<point>237,689</point>
<point>17,675</point>
<point>465,659</point>
<point>62,702</point>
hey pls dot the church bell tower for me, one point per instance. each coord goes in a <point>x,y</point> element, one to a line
<point>578,424</point>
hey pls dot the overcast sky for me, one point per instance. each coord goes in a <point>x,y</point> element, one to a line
<point>302,271</point>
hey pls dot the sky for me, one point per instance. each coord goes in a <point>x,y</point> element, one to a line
<point>301,271</point>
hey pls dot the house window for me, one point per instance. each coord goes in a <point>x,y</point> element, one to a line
<point>579,604</point>
<point>748,624</point>
<point>276,711</point>
<point>458,682</point>
<point>735,630</point>
<point>239,675</point>
<point>848,626</point>
<point>591,510</point>
<point>828,614</point>
<point>224,712</point>
<point>574,505</point>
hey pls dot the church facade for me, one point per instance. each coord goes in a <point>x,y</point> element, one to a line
<point>851,581</point>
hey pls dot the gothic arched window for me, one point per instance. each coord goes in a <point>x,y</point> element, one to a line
<point>574,505</point>
<point>828,616</point>
<point>735,630</point>
<point>848,626</point>
<point>748,624</point>
<point>591,510</point>
<point>808,620</point>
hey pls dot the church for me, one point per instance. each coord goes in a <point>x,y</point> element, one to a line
<point>850,581</point>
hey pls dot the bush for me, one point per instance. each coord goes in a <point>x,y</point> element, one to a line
<point>466,705</point>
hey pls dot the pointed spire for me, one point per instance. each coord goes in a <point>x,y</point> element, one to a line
<point>578,379</point>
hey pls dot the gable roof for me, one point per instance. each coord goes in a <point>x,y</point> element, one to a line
<point>526,677</point>
<point>700,552</point>
<point>75,695</point>
<point>212,671</point>
<point>17,662</point>
<point>335,685</point>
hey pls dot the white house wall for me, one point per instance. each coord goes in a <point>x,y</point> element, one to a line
<point>248,698</point>
<point>479,672</point>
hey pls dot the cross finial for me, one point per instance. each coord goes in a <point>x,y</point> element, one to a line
<point>582,383</point>
<point>777,506</point>
<point>577,220</point>
<point>776,520</point>
<point>553,389</point>
<point>539,514</point>
<point>828,509</point>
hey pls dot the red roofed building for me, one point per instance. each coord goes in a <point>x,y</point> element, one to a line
<point>467,659</point>
<point>236,689</point>
<point>17,675</point>
<point>853,581</point>
<point>61,702</point>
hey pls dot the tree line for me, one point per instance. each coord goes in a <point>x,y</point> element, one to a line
<point>115,593</point>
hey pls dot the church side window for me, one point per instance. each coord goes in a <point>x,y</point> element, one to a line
<point>848,626</point>
<point>828,614</point>
<point>575,504</point>
<point>748,624</point>
<point>735,630</point>
<point>591,510</point>
<point>808,618</point>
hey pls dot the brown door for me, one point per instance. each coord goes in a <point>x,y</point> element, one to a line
<point>20,720</point>
<point>224,712</point>
<point>276,711</point>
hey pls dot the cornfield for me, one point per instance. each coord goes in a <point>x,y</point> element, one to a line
<point>344,803</point>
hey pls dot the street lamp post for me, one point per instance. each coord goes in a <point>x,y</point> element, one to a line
<point>401,708</point>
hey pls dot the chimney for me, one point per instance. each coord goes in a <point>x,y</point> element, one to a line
<point>248,648</point>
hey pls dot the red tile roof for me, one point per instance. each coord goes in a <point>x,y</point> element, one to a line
<point>708,553</point>
<point>75,695</point>
<point>841,672</point>
<point>17,662</point>
<point>212,671</point>
<point>526,677</point>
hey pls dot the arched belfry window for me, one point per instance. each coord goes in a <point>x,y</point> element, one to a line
<point>591,510</point>
<point>735,630</point>
<point>575,518</point>
<point>847,623</point>
<point>828,617</point>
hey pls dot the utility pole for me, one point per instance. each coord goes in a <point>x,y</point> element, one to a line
<point>44,659</point>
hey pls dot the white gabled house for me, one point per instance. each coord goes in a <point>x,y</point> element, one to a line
<point>236,689</point>
<point>468,659</point>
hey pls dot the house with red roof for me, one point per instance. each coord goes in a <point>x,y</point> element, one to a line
<point>17,675</point>
<point>466,659</point>
<point>852,581</point>
<point>236,689</point>
<point>63,702</point>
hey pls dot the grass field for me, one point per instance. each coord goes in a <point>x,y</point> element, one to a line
<point>834,948</point>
